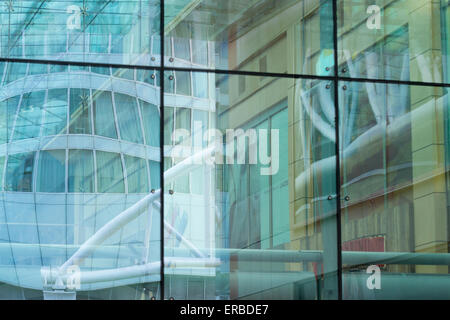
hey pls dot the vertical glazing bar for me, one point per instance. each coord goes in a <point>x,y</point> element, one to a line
<point>338,162</point>
<point>161,142</point>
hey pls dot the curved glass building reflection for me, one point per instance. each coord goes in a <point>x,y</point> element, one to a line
<point>78,147</point>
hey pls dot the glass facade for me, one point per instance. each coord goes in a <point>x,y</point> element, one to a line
<point>224,150</point>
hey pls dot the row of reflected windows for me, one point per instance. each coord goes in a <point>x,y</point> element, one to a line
<point>88,171</point>
<point>45,113</point>
<point>97,26</point>
<point>40,43</point>
<point>184,83</point>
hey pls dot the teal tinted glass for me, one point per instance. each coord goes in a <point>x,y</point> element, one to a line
<point>52,171</point>
<point>81,171</point>
<point>128,118</point>
<point>19,172</point>
<point>80,111</point>
<point>110,172</point>
<point>122,32</point>
<point>104,114</point>
<point>29,117</point>
<point>137,176</point>
<point>55,112</point>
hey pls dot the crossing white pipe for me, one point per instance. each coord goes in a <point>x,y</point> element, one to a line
<point>59,276</point>
<point>169,228</point>
<point>146,269</point>
<point>135,210</point>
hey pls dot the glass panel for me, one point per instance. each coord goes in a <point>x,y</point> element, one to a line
<point>80,111</point>
<point>19,172</point>
<point>52,171</point>
<point>104,125</point>
<point>128,118</point>
<point>110,172</point>
<point>393,40</point>
<point>147,76</point>
<point>150,119</point>
<point>29,118</point>
<point>168,125</point>
<point>155,172</point>
<point>8,109</point>
<point>81,30</point>
<point>183,83</point>
<point>65,175</point>
<point>15,71</point>
<point>258,218</point>
<point>2,167</point>
<point>81,171</point>
<point>55,118</point>
<point>292,36</point>
<point>394,170</point>
<point>137,177</point>
<point>200,83</point>
<point>105,71</point>
<point>123,73</point>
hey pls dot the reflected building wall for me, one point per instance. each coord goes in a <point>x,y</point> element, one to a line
<point>392,136</point>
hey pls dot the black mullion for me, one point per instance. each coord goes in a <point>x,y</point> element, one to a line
<point>337,151</point>
<point>161,149</point>
<point>229,72</point>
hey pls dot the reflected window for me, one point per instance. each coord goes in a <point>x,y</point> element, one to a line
<point>128,118</point>
<point>15,71</point>
<point>169,82</point>
<point>200,52</point>
<point>168,125</point>
<point>101,70</point>
<point>2,165</point>
<point>147,76</point>
<point>123,73</point>
<point>200,84</point>
<point>183,80</point>
<point>29,118</point>
<point>37,69</point>
<point>155,174</point>
<point>55,113</point>
<point>19,172</point>
<point>183,121</point>
<point>80,115</point>
<point>51,171</point>
<point>81,171</point>
<point>104,124</point>
<point>151,121</point>
<point>109,172</point>
<point>182,48</point>
<point>8,110</point>
<point>137,177</point>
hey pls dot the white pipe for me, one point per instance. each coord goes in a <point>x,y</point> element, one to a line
<point>135,210</point>
<point>146,269</point>
<point>109,229</point>
<point>58,275</point>
<point>189,244</point>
